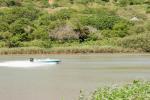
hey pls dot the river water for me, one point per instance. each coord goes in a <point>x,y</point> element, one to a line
<point>65,80</point>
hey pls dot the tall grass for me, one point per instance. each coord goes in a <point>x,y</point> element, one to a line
<point>66,50</point>
<point>23,50</point>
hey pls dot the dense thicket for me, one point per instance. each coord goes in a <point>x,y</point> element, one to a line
<point>26,23</point>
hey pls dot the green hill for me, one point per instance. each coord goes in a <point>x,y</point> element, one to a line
<point>76,24</point>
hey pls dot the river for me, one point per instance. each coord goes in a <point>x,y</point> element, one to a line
<point>65,80</point>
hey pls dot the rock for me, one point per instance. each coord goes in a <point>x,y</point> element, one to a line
<point>134,19</point>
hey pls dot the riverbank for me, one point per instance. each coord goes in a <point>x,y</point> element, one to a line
<point>67,50</point>
<point>136,91</point>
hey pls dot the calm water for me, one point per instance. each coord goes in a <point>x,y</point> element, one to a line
<point>76,72</point>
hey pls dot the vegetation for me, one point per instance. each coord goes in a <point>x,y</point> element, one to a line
<point>75,24</point>
<point>136,91</point>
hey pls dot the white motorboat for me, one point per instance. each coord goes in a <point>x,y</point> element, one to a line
<point>48,60</point>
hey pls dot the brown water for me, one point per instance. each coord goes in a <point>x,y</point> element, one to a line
<point>65,80</point>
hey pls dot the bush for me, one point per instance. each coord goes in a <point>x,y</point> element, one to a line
<point>148,26</point>
<point>38,43</point>
<point>13,42</point>
<point>84,1</point>
<point>10,3</point>
<point>63,33</point>
<point>40,33</point>
<point>64,14</point>
<point>5,35</point>
<point>61,15</point>
<point>113,33</point>
<point>97,11</point>
<point>19,26</point>
<point>2,44</point>
<point>11,15</point>
<point>54,5</point>
<point>4,27</point>
<point>95,36</point>
<point>46,19</point>
<point>130,2</point>
<point>123,2</point>
<point>148,9</point>
<point>136,91</point>
<point>137,29</point>
<point>100,21</point>
<point>141,41</point>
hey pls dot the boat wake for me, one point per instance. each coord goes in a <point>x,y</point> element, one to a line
<point>25,64</point>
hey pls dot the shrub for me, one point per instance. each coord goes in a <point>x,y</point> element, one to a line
<point>46,19</point>
<point>38,43</point>
<point>100,21</point>
<point>54,5</point>
<point>148,26</point>
<point>113,33</point>
<point>130,2</point>
<point>10,3</point>
<point>4,27</point>
<point>63,33</point>
<point>40,33</point>
<point>136,91</point>
<point>123,2</point>
<point>64,14</point>
<point>5,35</point>
<point>84,1</point>
<point>97,11</point>
<point>141,41</point>
<point>146,1</point>
<point>2,44</point>
<point>139,29</point>
<point>11,15</point>
<point>148,9</point>
<point>13,42</point>
<point>19,26</point>
<point>95,36</point>
<point>83,33</point>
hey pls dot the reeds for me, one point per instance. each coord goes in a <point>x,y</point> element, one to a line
<point>66,50</point>
<point>22,50</point>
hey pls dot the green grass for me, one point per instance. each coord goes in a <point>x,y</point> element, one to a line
<point>138,90</point>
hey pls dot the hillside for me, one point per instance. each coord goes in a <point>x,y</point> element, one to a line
<point>76,25</point>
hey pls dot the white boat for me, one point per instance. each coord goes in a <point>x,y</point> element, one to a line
<point>48,60</point>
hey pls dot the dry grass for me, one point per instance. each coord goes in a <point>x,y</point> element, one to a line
<point>66,50</point>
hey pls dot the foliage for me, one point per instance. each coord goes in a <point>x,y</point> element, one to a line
<point>141,41</point>
<point>87,22</point>
<point>63,33</point>
<point>5,35</point>
<point>13,42</point>
<point>2,44</point>
<point>148,9</point>
<point>148,26</point>
<point>8,3</point>
<point>100,21</point>
<point>130,2</point>
<point>38,43</point>
<point>136,91</point>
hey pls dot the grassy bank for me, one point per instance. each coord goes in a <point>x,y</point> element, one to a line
<point>136,91</point>
<point>66,50</point>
